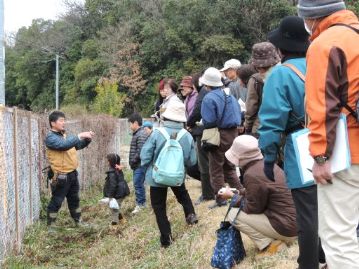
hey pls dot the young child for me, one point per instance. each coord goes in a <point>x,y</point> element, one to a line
<point>148,127</point>
<point>113,189</point>
<point>139,137</point>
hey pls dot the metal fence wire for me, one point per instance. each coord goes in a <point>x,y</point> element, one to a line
<point>22,158</point>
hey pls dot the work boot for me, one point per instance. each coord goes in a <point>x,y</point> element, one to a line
<point>166,240</point>
<point>192,219</point>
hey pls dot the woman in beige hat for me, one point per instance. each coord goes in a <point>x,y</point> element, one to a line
<point>268,215</point>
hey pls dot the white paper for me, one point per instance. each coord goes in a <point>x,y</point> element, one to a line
<point>242,105</point>
<point>340,159</point>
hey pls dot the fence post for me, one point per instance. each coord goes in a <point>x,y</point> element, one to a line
<point>16,180</point>
<point>30,168</point>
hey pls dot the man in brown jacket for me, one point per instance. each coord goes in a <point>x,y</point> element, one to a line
<point>268,215</point>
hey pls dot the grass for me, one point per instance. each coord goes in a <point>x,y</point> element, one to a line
<point>134,244</point>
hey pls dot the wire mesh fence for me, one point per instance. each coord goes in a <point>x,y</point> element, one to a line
<point>23,156</point>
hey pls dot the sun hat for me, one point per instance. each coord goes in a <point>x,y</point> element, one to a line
<point>290,35</point>
<point>212,77</point>
<point>244,147</point>
<point>186,82</point>
<point>264,54</point>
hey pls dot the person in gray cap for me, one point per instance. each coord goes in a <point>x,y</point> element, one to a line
<point>332,87</point>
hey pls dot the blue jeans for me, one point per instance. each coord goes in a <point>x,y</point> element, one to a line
<point>138,183</point>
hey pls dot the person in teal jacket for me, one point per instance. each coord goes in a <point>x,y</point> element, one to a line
<point>173,122</point>
<point>282,113</point>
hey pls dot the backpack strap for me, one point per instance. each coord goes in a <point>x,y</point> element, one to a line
<point>348,26</point>
<point>181,134</point>
<point>164,133</point>
<point>302,77</point>
<point>295,70</point>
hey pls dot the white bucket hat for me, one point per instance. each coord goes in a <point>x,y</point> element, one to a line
<point>232,63</point>
<point>211,77</point>
<point>175,111</point>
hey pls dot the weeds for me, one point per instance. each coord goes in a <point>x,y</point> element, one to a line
<point>134,244</point>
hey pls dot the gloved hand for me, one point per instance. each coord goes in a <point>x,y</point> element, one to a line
<point>268,170</point>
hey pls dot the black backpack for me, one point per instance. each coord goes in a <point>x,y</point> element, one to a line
<point>354,113</point>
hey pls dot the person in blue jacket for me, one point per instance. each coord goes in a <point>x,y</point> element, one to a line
<point>173,122</point>
<point>221,111</point>
<point>282,113</point>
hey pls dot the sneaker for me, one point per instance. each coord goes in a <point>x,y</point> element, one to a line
<point>192,219</point>
<point>218,204</point>
<point>81,224</point>
<point>273,248</point>
<point>137,209</point>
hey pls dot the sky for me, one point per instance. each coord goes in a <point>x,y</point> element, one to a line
<point>20,13</point>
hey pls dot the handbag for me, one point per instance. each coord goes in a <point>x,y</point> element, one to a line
<point>229,249</point>
<point>211,138</point>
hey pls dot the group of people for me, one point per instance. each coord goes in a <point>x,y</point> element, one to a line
<point>236,124</point>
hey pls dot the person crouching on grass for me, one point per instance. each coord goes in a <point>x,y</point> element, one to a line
<point>112,189</point>
<point>268,217</point>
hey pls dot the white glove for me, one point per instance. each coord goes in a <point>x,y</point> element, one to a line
<point>105,200</point>
<point>114,204</point>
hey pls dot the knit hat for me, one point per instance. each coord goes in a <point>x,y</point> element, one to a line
<point>314,9</point>
<point>264,55</point>
<point>176,111</point>
<point>244,147</point>
<point>147,124</point>
<point>211,77</point>
<point>290,35</point>
<point>186,82</point>
<point>231,64</point>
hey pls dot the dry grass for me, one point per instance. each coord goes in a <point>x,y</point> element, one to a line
<point>134,244</point>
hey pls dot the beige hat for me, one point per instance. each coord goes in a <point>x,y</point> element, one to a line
<point>231,64</point>
<point>244,147</point>
<point>175,111</point>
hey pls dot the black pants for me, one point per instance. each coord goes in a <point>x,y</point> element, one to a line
<point>310,249</point>
<point>203,164</point>
<point>68,188</point>
<point>158,201</point>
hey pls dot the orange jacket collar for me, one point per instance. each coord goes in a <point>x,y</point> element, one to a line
<point>343,16</point>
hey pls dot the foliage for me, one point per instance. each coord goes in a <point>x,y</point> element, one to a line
<point>108,99</point>
<point>134,44</point>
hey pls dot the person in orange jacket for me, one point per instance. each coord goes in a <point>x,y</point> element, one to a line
<point>332,82</point>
